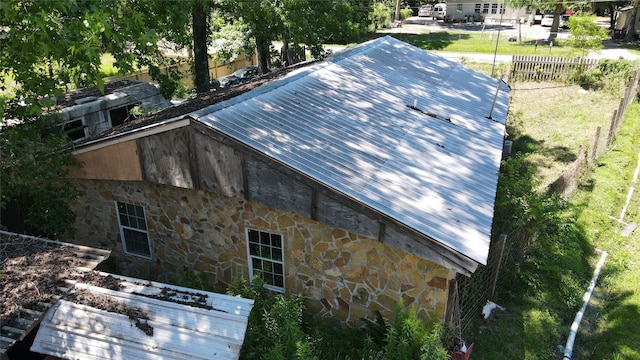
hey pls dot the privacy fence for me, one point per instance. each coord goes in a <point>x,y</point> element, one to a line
<point>472,293</point>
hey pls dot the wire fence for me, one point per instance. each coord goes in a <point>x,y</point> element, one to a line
<point>507,250</point>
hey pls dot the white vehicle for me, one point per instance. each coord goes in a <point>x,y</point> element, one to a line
<point>439,11</point>
<point>547,20</point>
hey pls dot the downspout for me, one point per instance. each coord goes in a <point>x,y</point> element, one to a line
<point>568,348</point>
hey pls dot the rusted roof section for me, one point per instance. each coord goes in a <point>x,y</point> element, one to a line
<point>32,278</point>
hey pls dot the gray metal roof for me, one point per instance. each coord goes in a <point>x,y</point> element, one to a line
<point>346,122</point>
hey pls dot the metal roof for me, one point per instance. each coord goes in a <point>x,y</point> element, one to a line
<point>348,122</point>
<point>185,323</point>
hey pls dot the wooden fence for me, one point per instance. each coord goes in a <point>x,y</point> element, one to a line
<point>546,68</point>
<point>568,180</point>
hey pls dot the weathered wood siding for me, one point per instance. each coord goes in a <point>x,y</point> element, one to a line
<point>219,167</point>
<point>166,158</point>
<point>341,216</point>
<point>116,162</point>
<point>273,188</point>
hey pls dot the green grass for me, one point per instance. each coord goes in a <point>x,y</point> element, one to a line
<point>542,292</point>
<point>478,42</point>
<point>616,331</point>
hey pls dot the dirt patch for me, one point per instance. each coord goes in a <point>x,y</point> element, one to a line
<point>104,302</point>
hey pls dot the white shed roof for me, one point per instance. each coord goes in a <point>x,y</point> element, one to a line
<point>348,123</point>
<point>185,323</point>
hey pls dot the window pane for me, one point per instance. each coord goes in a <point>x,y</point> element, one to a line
<point>264,252</point>
<point>265,238</point>
<point>254,249</point>
<point>267,266</point>
<point>140,212</point>
<point>131,210</point>
<point>276,254</point>
<point>277,268</point>
<point>276,240</point>
<point>256,263</point>
<point>124,220</point>
<point>253,236</point>
<point>278,281</point>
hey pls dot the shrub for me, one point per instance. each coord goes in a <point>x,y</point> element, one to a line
<point>406,12</point>
<point>380,15</point>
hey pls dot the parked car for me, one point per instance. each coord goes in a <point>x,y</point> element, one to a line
<point>239,76</point>
<point>547,20</point>
<point>564,20</point>
<point>425,11</point>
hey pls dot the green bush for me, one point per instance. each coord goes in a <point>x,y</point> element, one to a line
<point>380,16</point>
<point>406,13</point>
<point>276,331</point>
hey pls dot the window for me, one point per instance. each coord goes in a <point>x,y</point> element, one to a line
<point>485,8</point>
<point>459,7</point>
<point>74,129</point>
<point>265,258</point>
<point>133,229</point>
<point>502,8</point>
<point>494,8</point>
<point>122,114</point>
<point>477,9</point>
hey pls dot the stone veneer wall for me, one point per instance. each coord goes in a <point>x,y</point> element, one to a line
<point>344,275</point>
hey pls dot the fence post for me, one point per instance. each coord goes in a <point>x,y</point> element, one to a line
<point>496,268</point>
<point>612,127</point>
<point>596,141</point>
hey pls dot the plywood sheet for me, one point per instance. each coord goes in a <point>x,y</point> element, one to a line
<point>115,162</point>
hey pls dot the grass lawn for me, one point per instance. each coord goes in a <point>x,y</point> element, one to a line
<point>481,42</point>
<point>550,122</point>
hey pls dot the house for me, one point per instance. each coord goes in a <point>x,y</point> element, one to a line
<point>359,181</point>
<point>490,12</point>
<point>88,112</point>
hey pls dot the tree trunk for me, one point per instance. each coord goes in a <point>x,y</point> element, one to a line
<point>262,52</point>
<point>201,57</point>
<point>397,17</point>
<point>553,33</point>
<point>631,30</point>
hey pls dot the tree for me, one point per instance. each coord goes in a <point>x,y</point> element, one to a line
<point>48,48</point>
<point>200,45</point>
<point>631,30</point>
<point>294,22</point>
<point>585,33</point>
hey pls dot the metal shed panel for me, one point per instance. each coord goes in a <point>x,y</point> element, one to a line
<point>186,323</point>
<point>349,123</point>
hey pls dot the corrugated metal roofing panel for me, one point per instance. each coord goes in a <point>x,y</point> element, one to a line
<point>186,324</point>
<point>348,122</point>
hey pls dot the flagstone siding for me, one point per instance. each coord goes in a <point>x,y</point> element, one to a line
<point>343,275</point>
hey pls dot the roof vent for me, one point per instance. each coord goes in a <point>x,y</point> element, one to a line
<point>85,100</point>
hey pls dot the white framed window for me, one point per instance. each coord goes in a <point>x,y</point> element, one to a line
<point>485,8</point>
<point>477,9</point>
<point>265,255</point>
<point>494,8</point>
<point>133,229</point>
<point>459,7</point>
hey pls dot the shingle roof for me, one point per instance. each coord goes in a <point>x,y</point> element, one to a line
<point>350,124</point>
